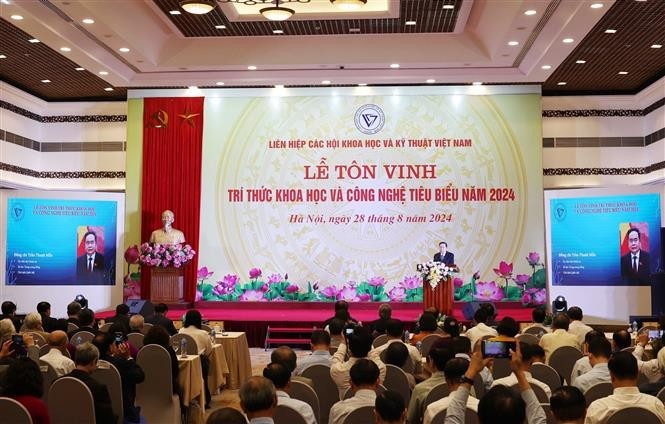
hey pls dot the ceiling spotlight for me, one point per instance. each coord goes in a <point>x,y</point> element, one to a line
<point>559,304</point>
<point>656,46</point>
<point>2,56</point>
<point>192,87</point>
<point>530,12</point>
<point>477,83</point>
<point>448,6</point>
<point>623,73</point>
<point>88,21</point>
<point>219,83</point>
<point>513,43</point>
<point>4,1</point>
<point>79,69</point>
<point>567,40</point>
<point>394,65</point>
<point>546,67</point>
<point>46,81</point>
<point>33,40</point>
<point>123,49</point>
<point>279,86</point>
<point>362,84</point>
<point>596,5</point>
<point>251,68</point>
<point>325,82</point>
<point>65,49</point>
<point>277,12</point>
<point>174,12</point>
<point>561,83</point>
<point>103,73</point>
<point>349,4</point>
<point>197,7</point>
<point>430,81</point>
<point>108,89</point>
<point>610,31</point>
<point>220,26</point>
<point>410,23</point>
<point>580,61</point>
<point>17,17</point>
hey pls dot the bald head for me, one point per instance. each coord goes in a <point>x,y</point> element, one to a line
<point>57,338</point>
<point>136,322</point>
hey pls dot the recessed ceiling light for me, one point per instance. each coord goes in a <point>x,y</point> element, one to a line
<point>108,89</point>
<point>561,83</point>
<point>279,85</point>
<point>174,12</point>
<point>88,21</point>
<point>219,83</point>
<point>277,31</point>
<point>656,46</point>
<point>220,26</point>
<point>448,6</point>
<point>192,87</point>
<point>65,49</point>
<point>354,29</point>
<point>33,40</point>
<point>568,40</point>
<point>477,83</point>
<point>410,23</point>
<point>513,43</point>
<point>4,1</point>
<point>623,73</point>
<point>251,68</point>
<point>79,69</point>
<point>610,31</point>
<point>17,17</point>
<point>325,82</point>
<point>46,81</point>
<point>123,49</point>
<point>394,65</point>
<point>362,84</point>
<point>430,81</point>
<point>580,61</point>
<point>546,67</point>
<point>2,56</point>
<point>530,12</point>
<point>103,73</point>
<point>596,5</point>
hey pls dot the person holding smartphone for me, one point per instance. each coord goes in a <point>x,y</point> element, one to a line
<point>651,369</point>
<point>527,353</point>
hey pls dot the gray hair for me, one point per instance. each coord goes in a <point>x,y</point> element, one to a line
<point>6,330</point>
<point>136,322</point>
<point>86,354</point>
<point>385,311</point>
<point>33,321</point>
<point>257,394</point>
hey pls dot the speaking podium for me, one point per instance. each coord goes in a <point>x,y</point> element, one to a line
<point>440,297</point>
<point>166,285</point>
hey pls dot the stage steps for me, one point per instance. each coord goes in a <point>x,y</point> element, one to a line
<point>285,336</point>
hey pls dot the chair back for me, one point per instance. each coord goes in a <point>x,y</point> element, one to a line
<point>136,340</point>
<point>501,368</point>
<point>13,412</point>
<point>155,393</point>
<point>598,391</point>
<point>305,392</point>
<point>81,337</point>
<point>43,350</point>
<point>548,413</point>
<point>470,417</point>
<point>287,415</point>
<point>324,386</point>
<point>192,348</point>
<point>380,340</point>
<point>409,365</point>
<point>539,392</point>
<point>563,360</point>
<point>397,380</point>
<point>206,328</point>
<point>527,338</point>
<point>427,342</point>
<point>661,394</point>
<point>535,331</point>
<point>547,375</point>
<point>48,376</point>
<point>39,339</point>
<point>107,374</point>
<point>362,415</point>
<point>479,386</point>
<point>105,328</point>
<point>437,392</point>
<point>146,327</point>
<point>70,401</point>
<point>71,327</point>
<point>633,415</point>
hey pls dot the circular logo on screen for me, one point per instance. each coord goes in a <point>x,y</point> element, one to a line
<point>17,212</point>
<point>559,212</point>
<point>369,119</point>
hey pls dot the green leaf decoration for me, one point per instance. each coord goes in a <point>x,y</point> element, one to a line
<point>512,293</point>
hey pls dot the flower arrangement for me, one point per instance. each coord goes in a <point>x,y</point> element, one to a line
<point>434,272</point>
<point>131,288</point>
<point>165,255</point>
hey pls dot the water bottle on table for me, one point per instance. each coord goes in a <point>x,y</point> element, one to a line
<point>183,348</point>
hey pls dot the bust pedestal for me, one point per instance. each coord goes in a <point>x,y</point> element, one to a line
<point>166,285</point>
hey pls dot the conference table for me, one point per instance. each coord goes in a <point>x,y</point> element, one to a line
<point>219,368</point>
<point>190,380</point>
<point>236,350</point>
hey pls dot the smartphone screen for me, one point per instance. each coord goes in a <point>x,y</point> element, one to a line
<point>348,331</point>
<point>655,334</point>
<point>497,349</point>
<point>118,337</point>
<point>18,346</point>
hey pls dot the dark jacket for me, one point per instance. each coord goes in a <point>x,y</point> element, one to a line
<point>100,396</point>
<point>131,374</point>
<point>159,319</point>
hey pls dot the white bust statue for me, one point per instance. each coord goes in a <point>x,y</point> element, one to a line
<point>167,234</point>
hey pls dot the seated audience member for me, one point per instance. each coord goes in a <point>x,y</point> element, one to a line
<point>320,343</point>
<point>281,378</point>
<point>621,340</point>
<point>583,365</point>
<point>455,369</point>
<point>192,327</point>
<point>57,355</point>
<point>599,354</point>
<point>226,415</point>
<point>73,309</point>
<point>378,327</point>
<point>7,352</point>
<point>426,325</point>
<point>623,372</point>
<point>437,359</point>
<point>158,335</point>
<point>23,382</point>
<point>341,305</point>
<point>652,388</point>
<point>559,336</point>
<point>451,327</point>
<point>131,373</point>
<point>500,404</point>
<point>389,408</point>
<point>364,382</point>
<point>32,323</point>
<point>538,316</point>
<point>44,310</point>
<point>258,400</point>
<point>397,354</point>
<point>462,348</point>
<point>86,358</point>
<point>538,354</point>
<point>121,317</point>
<point>651,369</point>
<point>395,331</point>
<point>136,323</point>
<point>286,356</point>
<point>525,369</point>
<point>507,329</point>
<point>159,318</point>
<point>577,327</point>
<point>335,328</point>
<point>6,330</point>
<point>568,405</point>
<point>481,328</point>
<point>9,312</point>
<point>86,323</point>
<point>359,345</point>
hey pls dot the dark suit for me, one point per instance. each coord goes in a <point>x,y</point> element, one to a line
<point>49,323</point>
<point>121,321</point>
<point>159,319</point>
<point>643,269</point>
<point>100,396</point>
<point>98,274</point>
<point>131,374</point>
<point>448,258</point>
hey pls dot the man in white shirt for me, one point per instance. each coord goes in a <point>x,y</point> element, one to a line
<point>538,316</point>
<point>455,369</point>
<point>320,342</point>
<point>364,382</point>
<point>481,329</point>
<point>55,357</point>
<point>651,369</point>
<point>395,331</point>
<point>437,359</point>
<point>559,336</point>
<point>600,351</point>
<point>577,327</point>
<point>281,378</point>
<point>258,400</point>
<point>359,344</point>
<point>583,365</point>
<point>623,373</point>
<point>389,408</point>
<point>527,359</point>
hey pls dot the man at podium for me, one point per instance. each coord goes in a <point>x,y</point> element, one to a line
<point>443,255</point>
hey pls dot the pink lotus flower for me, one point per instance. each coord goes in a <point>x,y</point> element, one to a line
<point>274,278</point>
<point>505,269</point>
<point>330,291</point>
<point>254,273</point>
<point>522,279</point>
<point>132,254</point>
<point>230,280</point>
<point>199,295</point>
<point>377,281</point>
<point>220,289</point>
<point>533,258</point>
<point>411,283</point>
<point>458,282</point>
<point>203,273</point>
<point>540,297</point>
<point>397,294</point>
<point>292,288</point>
<point>365,297</point>
<point>526,298</point>
<point>252,296</point>
<point>488,291</point>
<point>315,286</point>
<point>476,275</point>
<point>265,288</point>
<point>349,294</point>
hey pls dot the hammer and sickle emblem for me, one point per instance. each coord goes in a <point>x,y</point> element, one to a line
<point>159,119</point>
